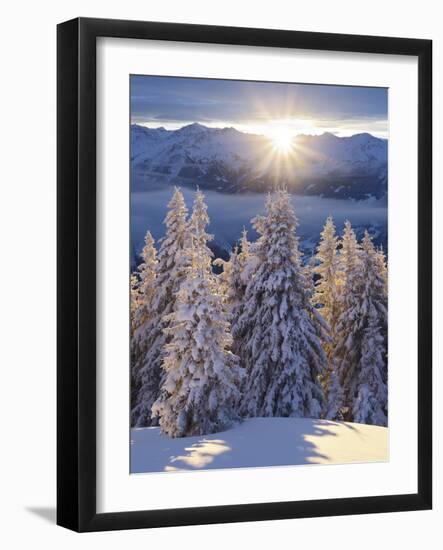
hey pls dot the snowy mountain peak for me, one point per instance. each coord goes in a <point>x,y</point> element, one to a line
<point>326,136</point>
<point>193,128</point>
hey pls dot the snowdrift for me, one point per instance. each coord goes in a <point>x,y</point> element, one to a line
<point>259,442</point>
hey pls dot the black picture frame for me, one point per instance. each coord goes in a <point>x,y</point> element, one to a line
<point>76,281</point>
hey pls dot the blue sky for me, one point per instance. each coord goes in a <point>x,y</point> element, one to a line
<point>258,107</point>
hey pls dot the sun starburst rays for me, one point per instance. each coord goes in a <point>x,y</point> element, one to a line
<point>282,140</point>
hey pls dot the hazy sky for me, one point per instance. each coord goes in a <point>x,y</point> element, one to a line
<point>258,107</point>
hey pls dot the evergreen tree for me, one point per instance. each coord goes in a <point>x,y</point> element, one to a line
<point>327,288</point>
<point>327,296</point>
<point>382,267</point>
<point>361,347</point>
<point>371,403</point>
<point>134,300</point>
<point>233,279</point>
<point>334,403</point>
<point>201,385</point>
<point>134,342</point>
<point>382,270</point>
<point>171,266</point>
<point>245,249</point>
<point>279,328</point>
<point>197,235</point>
<point>244,267</point>
<point>142,293</point>
<point>146,287</point>
<point>225,277</point>
<point>346,353</point>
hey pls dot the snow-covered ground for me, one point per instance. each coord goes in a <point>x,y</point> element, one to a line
<point>258,442</point>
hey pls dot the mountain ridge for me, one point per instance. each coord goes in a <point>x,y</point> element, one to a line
<point>230,161</point>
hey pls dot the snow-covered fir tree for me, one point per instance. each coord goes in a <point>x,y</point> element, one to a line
<point>279,329</point>
<point>172,261</point>
<point>142,292</point>
<point>245,249</point>
<point>382,269</point>
<point>233,279</point>
<point>327,297</point>
<point>225,277</point>
<point>134,342</point>
<point>198,238</point>
<point>361,348</point>
<point>200,390</point>
<point>146,287</point>
<point>134,300</point>
<point>327,288</point>
<point>346,355</point>
<point>370,404</point>
<point>334,392</point>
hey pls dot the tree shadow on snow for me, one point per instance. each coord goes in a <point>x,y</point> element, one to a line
<point>256,442</point>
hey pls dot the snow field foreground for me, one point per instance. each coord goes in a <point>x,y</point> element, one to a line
<point>259,442</point>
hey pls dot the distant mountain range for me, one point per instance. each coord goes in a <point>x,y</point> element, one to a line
<point>229,161</point>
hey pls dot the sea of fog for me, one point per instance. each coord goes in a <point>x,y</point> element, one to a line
<point>230,213</point>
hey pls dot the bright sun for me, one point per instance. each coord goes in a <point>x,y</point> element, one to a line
<point>282,139</point>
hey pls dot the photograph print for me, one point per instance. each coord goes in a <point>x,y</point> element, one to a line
<point>258,274</point>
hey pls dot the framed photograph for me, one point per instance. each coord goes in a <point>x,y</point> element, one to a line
<point>244,274</point>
